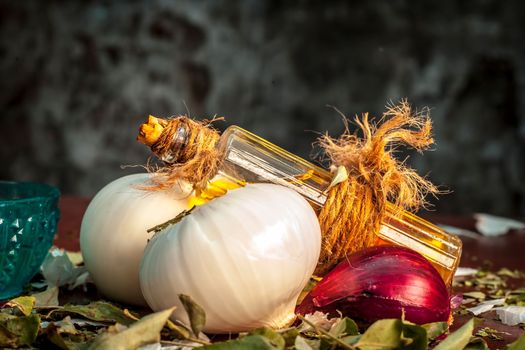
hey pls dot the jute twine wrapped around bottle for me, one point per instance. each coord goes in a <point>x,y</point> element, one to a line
<point>355,206</point>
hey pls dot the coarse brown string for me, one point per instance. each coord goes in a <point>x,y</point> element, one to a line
<point>355,208</point>
<point>188,147</point>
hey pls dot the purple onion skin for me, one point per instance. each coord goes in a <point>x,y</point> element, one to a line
<point>380,282</point>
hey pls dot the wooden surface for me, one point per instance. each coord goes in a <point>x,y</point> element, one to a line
<point>493,252</point>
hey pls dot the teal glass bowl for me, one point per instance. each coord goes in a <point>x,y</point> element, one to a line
<point>28,220</point>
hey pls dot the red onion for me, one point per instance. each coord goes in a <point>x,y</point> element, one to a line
<point>380,282</point>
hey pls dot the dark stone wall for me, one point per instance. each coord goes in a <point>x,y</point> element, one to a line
<point>78,77</point>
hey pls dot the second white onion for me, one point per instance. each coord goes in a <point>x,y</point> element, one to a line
<point>114,233</point>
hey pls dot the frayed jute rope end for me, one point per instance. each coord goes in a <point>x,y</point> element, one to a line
<point>355,207</point>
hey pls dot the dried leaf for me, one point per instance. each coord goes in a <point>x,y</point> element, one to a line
<point>486,306</point>
<point>490,333</point>
<point>511,315</point>
<point>81,280</point>
<point>510,273</point>
<point>289,335</point>
<point>17,331</point>
<point>382,334</point>
<point>157,346</point>
<point>490,225</point>
<point>475,295</point>
<point>458,339</point>
<point>477,344</point>
<point>251,342</point>
<point>302,344</point>
<point>414,337</point>
<point>24,304</point>
<point>435,329</point>
<point>344,327</point>
<point>66,326</point>
<point>351,339</point>
<point>58,270</point>
<point>319,320</point>
<point>47,298</point>
<point>65,335</point>
<point>341,175</point>
<point>195,313</point>
<point>66,343</point>
<point>75,257</point>
<point>275,338</point>
<point>516,297</point>
<point>465,271</point>
<point>82,323</point>
<point>145,331</point>
<point>180,331</point>
<point>519,344</point>
<point>97,311</point>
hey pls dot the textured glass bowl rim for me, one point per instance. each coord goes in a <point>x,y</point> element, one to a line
<point>43,192</point>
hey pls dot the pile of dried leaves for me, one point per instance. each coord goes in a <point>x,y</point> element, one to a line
<point>484,291</point>
<point>37,320</point>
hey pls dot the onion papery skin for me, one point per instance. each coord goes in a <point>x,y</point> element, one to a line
<point>382,282</point>
<point>244,257</point>
<point>113,233</point>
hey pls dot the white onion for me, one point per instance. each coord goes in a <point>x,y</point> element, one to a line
<point>244,257</point>
<point>113,233</point>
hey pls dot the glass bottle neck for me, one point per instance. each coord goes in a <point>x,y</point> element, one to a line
<point>251,158</point>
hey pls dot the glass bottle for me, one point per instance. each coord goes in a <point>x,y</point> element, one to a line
<point>248,158</point>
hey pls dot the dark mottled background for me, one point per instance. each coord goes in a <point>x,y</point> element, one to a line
<point>78,77</point>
